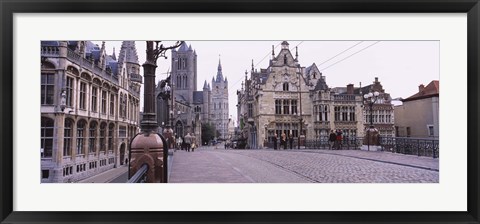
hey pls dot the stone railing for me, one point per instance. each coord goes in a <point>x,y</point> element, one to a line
<point>49,51</point>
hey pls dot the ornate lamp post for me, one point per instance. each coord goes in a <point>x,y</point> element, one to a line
<point>370,99</point>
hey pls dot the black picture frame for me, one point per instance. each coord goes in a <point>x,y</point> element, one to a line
<point>9,7</point>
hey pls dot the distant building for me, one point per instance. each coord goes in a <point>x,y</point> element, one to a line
<point>418,116</point>
<point>288,98</point>
<point>192,108</point>
<point>89,108</point>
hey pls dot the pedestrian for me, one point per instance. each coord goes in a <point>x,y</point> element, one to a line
<point>339,139</point>
<point>332,139</point>
<point>284,141</point>
<point>290,138</point>
<point>275,141</point>
<point>188,142</point>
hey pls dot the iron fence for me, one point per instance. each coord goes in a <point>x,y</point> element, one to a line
<point>410,146</point>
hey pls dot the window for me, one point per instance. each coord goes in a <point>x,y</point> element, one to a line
<point>103,132</point>
<point>352,113</point>
<point>286,105</point>
<point>47,126</point>
<point>344,114</point>
<point>430,130</point>
<point>93,138</point>
<point>48,85</point>
<point>110,137</point>
<point>250,110</point>
<point>45,174</point>
<point>122,132</point>
<point>337,113</point>
<point>69,92</point>
<point>104,101</point>
<point>67,138</point>
<point>278,106</point>
<point>112,104</point>
<point>94,99</point>
<point>294,106</point>
<point>285,86</point>
<point>80,136</point>
<point>408,131</point>
<point>83,92</point>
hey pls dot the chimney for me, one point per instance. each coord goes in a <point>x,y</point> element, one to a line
<point>350,89</point>
<point>376,79</point>
<point>421,87</point>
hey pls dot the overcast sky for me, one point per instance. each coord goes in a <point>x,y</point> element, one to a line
<point>401,66</point>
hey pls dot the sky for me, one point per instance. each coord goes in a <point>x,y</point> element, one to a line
<point>401,66</point>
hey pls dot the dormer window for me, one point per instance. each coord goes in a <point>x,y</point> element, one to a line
<point>314,75</point>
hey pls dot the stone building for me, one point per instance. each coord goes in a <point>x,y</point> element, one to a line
<point>424,105</point>
<point>89,108</point>
<point>289,98</point>
<point>191,107</point>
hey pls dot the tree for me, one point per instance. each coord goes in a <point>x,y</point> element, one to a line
<point>208,132</point>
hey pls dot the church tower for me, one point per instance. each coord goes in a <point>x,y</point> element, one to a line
<point>184,71</point>
<point>219,102</point>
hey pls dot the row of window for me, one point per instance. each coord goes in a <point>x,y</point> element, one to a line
<point>219,106</point>
<point>344,113</point>
<point>181,82</point>
<point>84,135</point>
<point>378,119</point>
<point>286,107</point>
<point>98,96</point>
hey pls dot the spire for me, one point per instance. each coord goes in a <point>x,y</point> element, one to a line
<point>128,53</point>
<point>113,55</point>
<point>296,53</point>
<point>190,47</point>
<point>273,51</point>
<point>252,65</point>
<point>219,71</point>
<point>205,85</point>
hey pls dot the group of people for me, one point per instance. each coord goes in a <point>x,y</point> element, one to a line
<point>283,141</point>
<point>187,143</point>
<point>335,139</point>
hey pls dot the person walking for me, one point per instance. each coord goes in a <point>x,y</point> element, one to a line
<point>339,139</point>
<point>284,141</point>
<point>275,142</point>
<point>290,139</point>
<point>332,139</point>
<point>188,142</point>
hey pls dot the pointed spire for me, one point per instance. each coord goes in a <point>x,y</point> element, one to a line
<point>190,47</point>
<point>219,71</point>
<point>273,51</point>
<point>296,53</point>
<point>205,85</point>
<point>252,65</point>
<point>128,53</point>
<point>113,55</point>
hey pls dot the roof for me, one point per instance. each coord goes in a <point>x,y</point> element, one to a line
<point>183,47</point>
<point>197,97</point>
<point>321,85</point>
<point>431,90</point>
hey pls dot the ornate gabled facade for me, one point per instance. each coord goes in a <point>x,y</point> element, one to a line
<point>289,98</point>
<point>89,108</point>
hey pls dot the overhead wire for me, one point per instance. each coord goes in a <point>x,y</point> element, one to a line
<point>349,56</point>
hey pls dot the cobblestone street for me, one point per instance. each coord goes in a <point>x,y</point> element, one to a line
<point>209,165</point>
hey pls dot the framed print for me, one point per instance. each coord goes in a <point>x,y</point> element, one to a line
<point>289,129</point>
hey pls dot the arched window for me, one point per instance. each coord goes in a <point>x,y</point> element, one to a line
<point>67,138</point>
<point>92,137</point>
<point>80,136</point>
<point>285,86</point>
<point>103,135</point>
<point>47,126</point>
<point>47,87</point>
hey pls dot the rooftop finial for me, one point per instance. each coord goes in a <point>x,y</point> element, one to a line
<point>273,51</point>
<point>296,53</point>
<point>252,65</point>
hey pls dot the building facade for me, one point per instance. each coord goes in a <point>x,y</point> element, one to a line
<point>425,106</point>
<point>289,98</point>
<point>89,108</point>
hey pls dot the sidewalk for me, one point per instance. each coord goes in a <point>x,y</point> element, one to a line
<point>106,176</point>
<point>423,162</point>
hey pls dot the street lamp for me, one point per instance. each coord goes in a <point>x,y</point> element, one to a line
<point>370,99</point>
